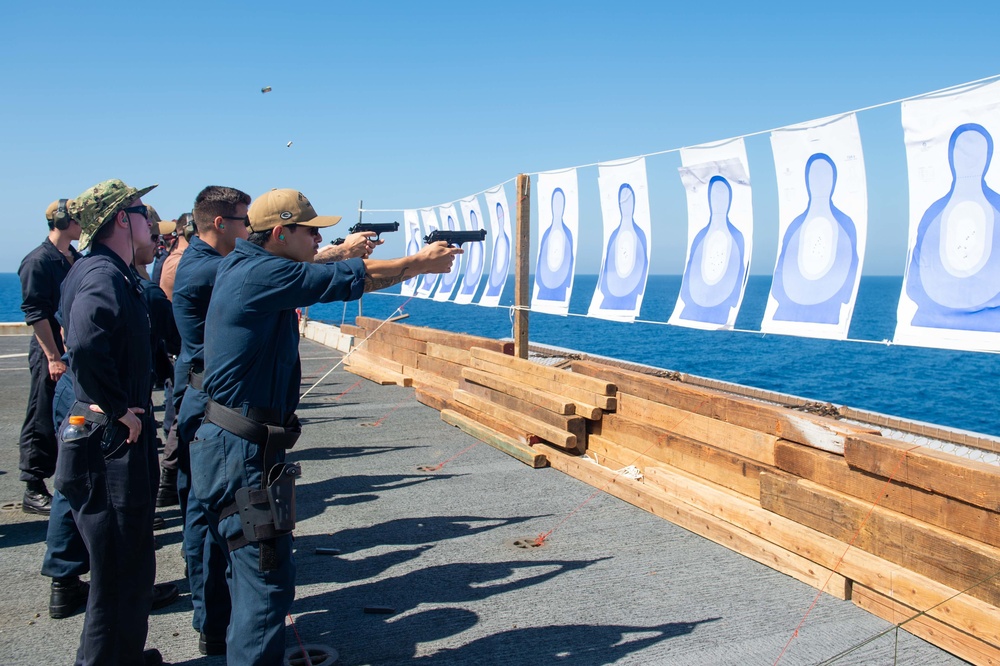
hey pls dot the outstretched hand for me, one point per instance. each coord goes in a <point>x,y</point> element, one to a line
<point>436,257</point>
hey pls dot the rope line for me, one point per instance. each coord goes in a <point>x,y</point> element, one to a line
<point>356,347</point>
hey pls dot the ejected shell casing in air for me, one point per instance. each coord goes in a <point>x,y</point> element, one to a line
<point>265,89</point>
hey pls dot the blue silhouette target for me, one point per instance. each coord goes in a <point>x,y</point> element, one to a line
<point>623,277</point>
<point>474,260</point>
<point>816,269</point>
<point>716,271</point>
<point>954,271</point>
<point>501,257</point>
<point>554,272</point>
<point>448,279</point>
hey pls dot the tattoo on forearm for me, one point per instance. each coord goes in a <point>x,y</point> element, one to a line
<point>374,284</point>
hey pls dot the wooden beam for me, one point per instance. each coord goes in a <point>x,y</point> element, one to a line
<point>497,440</point>
<point>945,603</point>
<point>750,443</point>
<point>543,399</point>
<point>701,523</point>
<point>589,384</point>
<point>615,457</point>
<point>514,431</point>
<point>543,430</point>
<point>816,431</point>
<point>704,460</point>
<point>550,384</point>
<point>440,367</point>
<point>378,375</point>
<point>935,632</point>
<point>575,425</point>
<point>948,558</point>
<point>433,397</point>
<point>522,251</point>
<point>446,353</point>
<point>831,470</point>
<point>971,481</point>
<point>437,336</point>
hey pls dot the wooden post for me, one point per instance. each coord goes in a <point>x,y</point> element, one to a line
<point>522,246</point>
<point>361,203</point>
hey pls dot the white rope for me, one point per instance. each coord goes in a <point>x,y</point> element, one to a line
<point>348,354</point>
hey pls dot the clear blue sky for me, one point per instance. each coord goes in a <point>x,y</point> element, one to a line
<point>409,104</point>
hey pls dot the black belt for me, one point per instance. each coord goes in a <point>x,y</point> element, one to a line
<point>196,379</point>
<point>257,426</point>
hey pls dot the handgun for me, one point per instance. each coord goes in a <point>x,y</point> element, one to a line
<point>378,227</point>
<point>454,238</point>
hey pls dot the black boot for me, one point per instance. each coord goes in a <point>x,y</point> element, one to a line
<point>167,494</point>
<point>68,595</point>
<point>164,594</point>
<point>37,498</point>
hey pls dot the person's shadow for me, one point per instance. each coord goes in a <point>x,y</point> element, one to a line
<point>400,636</point>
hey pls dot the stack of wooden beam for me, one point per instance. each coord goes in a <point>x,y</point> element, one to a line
<point>910,534</point>
<point>546,404</point>
<point>426,358</point>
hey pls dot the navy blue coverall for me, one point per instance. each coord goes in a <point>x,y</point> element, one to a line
<point>109,483</point>
<point>252,363</point>
<point>65,552</point>
<point>206,560</point>
<point>42,272</point>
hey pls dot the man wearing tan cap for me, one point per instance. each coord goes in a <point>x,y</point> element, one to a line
<point>252,378</point>
<point>42,273</point>
<point>107,468</point>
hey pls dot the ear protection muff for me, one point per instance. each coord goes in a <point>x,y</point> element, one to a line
<point>61,218</point>
<point>189,226</point>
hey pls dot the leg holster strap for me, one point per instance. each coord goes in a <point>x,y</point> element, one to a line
<point>265,514</point>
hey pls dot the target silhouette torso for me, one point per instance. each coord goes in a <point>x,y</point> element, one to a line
<point>501,257</point>
<point>554,271</point>
<point>818,263</point>
<point>954,271</point>
<point>474,260</point>
<point>714,275</point>
<point>625,262</point>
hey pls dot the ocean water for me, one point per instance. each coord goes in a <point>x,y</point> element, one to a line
<point>952,388</point>
<point>956,389</point>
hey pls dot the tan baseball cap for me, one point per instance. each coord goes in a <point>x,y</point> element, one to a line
<point>285,207</point>
<point>166,227</point>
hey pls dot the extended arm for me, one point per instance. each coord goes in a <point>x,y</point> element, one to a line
<point>433,258</point>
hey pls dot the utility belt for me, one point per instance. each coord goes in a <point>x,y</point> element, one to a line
<point>268,512</point>
<point>196,376</point>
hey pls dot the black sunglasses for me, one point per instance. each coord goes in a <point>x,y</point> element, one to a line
<point>141,210</point>
<point>313,231</point>
<point>245,219</point>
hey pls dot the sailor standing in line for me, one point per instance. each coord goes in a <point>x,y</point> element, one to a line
<point>252,378</point>
<point>105,470</point>
<point>42,272</point>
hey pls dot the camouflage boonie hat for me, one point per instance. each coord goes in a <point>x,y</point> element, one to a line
<point>96,205</point>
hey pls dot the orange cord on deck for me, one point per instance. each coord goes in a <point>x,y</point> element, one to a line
<point>442,464</point>
<point>298,638</point>
<point>864,522</point>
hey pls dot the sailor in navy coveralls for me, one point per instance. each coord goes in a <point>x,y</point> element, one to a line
<point>108,475</point>
<point>252,378</point>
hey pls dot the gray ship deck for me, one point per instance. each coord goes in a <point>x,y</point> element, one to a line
<point>612,584</point>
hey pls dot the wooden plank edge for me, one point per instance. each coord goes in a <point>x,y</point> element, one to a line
<point>933,631</point>
<point>701,523</point>
<point>497,440</point>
